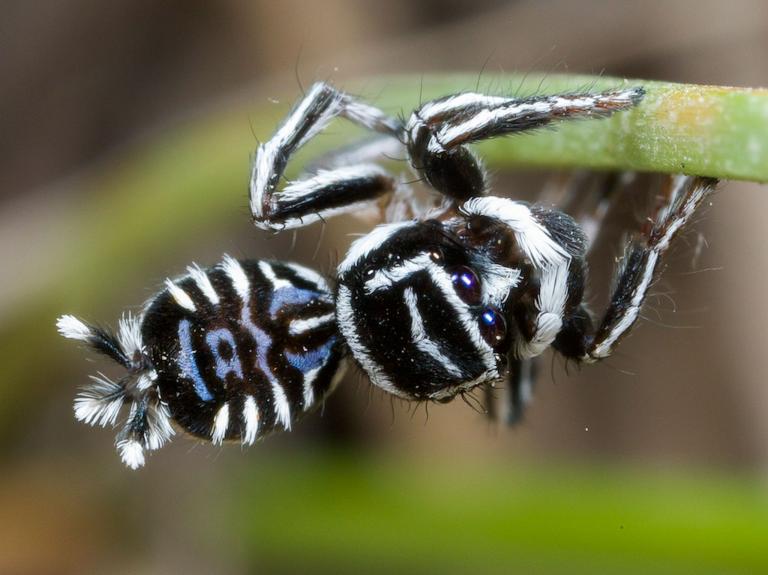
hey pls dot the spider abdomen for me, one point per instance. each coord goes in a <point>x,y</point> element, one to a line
<point>242,348</point>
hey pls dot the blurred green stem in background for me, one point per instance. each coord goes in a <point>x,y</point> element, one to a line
<point>183,184</point>
<point>348,514</point>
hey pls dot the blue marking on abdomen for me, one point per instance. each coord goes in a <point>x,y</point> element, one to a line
<point>187,362</point>
<point>305,362</point>
<point>224,366</point>
<point>293,296</point>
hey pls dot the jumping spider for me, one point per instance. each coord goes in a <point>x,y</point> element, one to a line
<point>430,305</point>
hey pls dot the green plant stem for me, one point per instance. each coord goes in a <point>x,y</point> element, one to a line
<point>677,128</point>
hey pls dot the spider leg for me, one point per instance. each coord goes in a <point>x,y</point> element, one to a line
<point>148,427</point>
<point>364,151</point>
<point>437,132</point>
<point>99,403</point>
<point>328,191</point>
<point>639,267</point>
<point>603,197</point>
<point>517,393</point>
<point>520,382</point>
<point>472,123</point>
<point>403,204</point>
<point>489,402</point>
<point>326,194</point>
<point>588,197</point>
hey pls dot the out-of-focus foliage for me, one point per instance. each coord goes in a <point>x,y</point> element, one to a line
<point>343,513</point>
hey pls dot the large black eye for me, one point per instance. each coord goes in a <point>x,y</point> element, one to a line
<point>466,284</point>
<point>493,327</point>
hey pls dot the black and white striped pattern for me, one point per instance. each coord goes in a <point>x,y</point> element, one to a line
<point>402,319</point>
<point>642,260</point>
<point>327,192</point>
<point>469,117</point>
<point>99,403</point>
<point>227,353</point>
<point>437,133</point>
<point>257,346</point>
<point>428,308</point>
<point>551,261</point>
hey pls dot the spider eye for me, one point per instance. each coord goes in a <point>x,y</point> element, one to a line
<point>466,284</point>
<point>493,327</point>
<point>436,255</point>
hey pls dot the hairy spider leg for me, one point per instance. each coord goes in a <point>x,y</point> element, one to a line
<point>638,269</point>
<point>588,197</point>
<point>403,204</point>
<point>148,425</point>
<point>437,132</point>
<point>362,151</point>
<point>522,377</point>
<point>327,192</point>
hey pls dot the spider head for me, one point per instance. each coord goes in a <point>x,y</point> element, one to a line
<point>430,309</point>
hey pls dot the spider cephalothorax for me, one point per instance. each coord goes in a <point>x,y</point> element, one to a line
<point>433,308</point>
<point>446,296</point>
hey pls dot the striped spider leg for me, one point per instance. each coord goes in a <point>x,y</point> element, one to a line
<point>437,133</point>
<point>335,186</point>
<point>588,196</point>
<point>638,269</point>
<point>640,266</point>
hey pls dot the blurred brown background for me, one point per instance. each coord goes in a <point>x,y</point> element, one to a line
<point>87,82</point>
